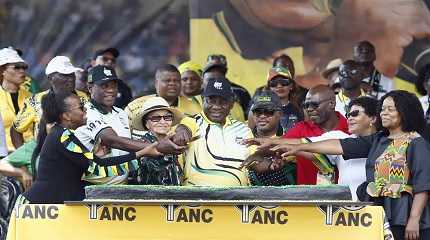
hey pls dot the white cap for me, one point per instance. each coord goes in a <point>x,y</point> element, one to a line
<point>61,64</point>
<point>9,55</point>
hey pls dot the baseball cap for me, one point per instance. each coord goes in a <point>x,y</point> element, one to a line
<point>216,61</point>
<point>100,52</point>
<point>61,64</point>
<point>101,74</point>
<point>332,66</point>
<point>266,100</point>
<point>9,55</point>
<point>279,71</point>
<point>218,87</point>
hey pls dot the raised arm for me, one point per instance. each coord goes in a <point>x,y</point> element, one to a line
<point>110,139</point>
<point>332,147</point>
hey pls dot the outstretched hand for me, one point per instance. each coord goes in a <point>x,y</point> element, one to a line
<point>286,150</point>
<point>259,163</point>
<point>263,144</point>
<point>149,150</point>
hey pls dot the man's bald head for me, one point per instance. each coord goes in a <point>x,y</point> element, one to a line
<point>323,91</point>
<point>320,104</point>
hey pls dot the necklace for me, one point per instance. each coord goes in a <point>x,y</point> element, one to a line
<point>398,136</point>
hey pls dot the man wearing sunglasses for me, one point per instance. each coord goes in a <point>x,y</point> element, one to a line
<point>214,158</point>
<point>108,57</point>
<point>320,107</point>
<point>351,74</point>
<point>266,113</point>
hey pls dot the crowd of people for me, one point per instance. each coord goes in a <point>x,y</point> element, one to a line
<point>199,128</point>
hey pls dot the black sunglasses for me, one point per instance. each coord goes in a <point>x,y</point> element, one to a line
<point>283,81</point>
<point>313,104</point>
<point>354,113</point>
<point>348,73</point>
<point>266,112</point>
<point>20,66</point>
<point>167,118</point>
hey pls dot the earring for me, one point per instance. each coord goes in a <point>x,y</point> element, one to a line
<point>370,125</point>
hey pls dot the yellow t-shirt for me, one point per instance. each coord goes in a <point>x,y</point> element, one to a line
<point>214,158</point>
<point>28,117</point>
<point>7,111</point>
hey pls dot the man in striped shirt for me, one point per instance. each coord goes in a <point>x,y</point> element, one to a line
<point>214,159</point>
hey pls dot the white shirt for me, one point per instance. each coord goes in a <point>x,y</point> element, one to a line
<point>96,122</point>
<point>352,172</point>
<point>3,146</point>
<point>424,100</point>
<point>386,83</point>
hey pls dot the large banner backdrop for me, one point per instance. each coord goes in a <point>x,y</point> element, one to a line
<point>313,32</point>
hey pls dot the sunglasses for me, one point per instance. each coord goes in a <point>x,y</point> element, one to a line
<point>313,104</point>
<point>166,118</point>
<point>265,112</point>
<point>283,82</point>
<point>348,73</point>
<point>19,66</point>
<point>354,113</point>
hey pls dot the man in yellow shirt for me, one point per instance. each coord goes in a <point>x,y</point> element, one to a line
<point>61,76</point>
<point>168,86</point>
<point>214,158</point>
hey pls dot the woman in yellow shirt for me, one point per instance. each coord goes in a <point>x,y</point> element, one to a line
<point>12,96</point>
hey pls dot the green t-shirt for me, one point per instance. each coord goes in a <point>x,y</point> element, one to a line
<point>22,156</point>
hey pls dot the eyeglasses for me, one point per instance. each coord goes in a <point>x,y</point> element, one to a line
<point>284,82</point>
<point>354,113</point>
<point>313,104</point>
<point>265,112</point>
<point>167,118</point>
<point>19,66</point>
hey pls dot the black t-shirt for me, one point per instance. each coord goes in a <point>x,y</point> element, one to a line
<point>290,116</point>
<point>61,166</point>
<point>124,95</point>
<point>14,97</point>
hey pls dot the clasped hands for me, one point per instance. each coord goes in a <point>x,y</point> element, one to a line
<point>177,142</point>
<point>271,154</point>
